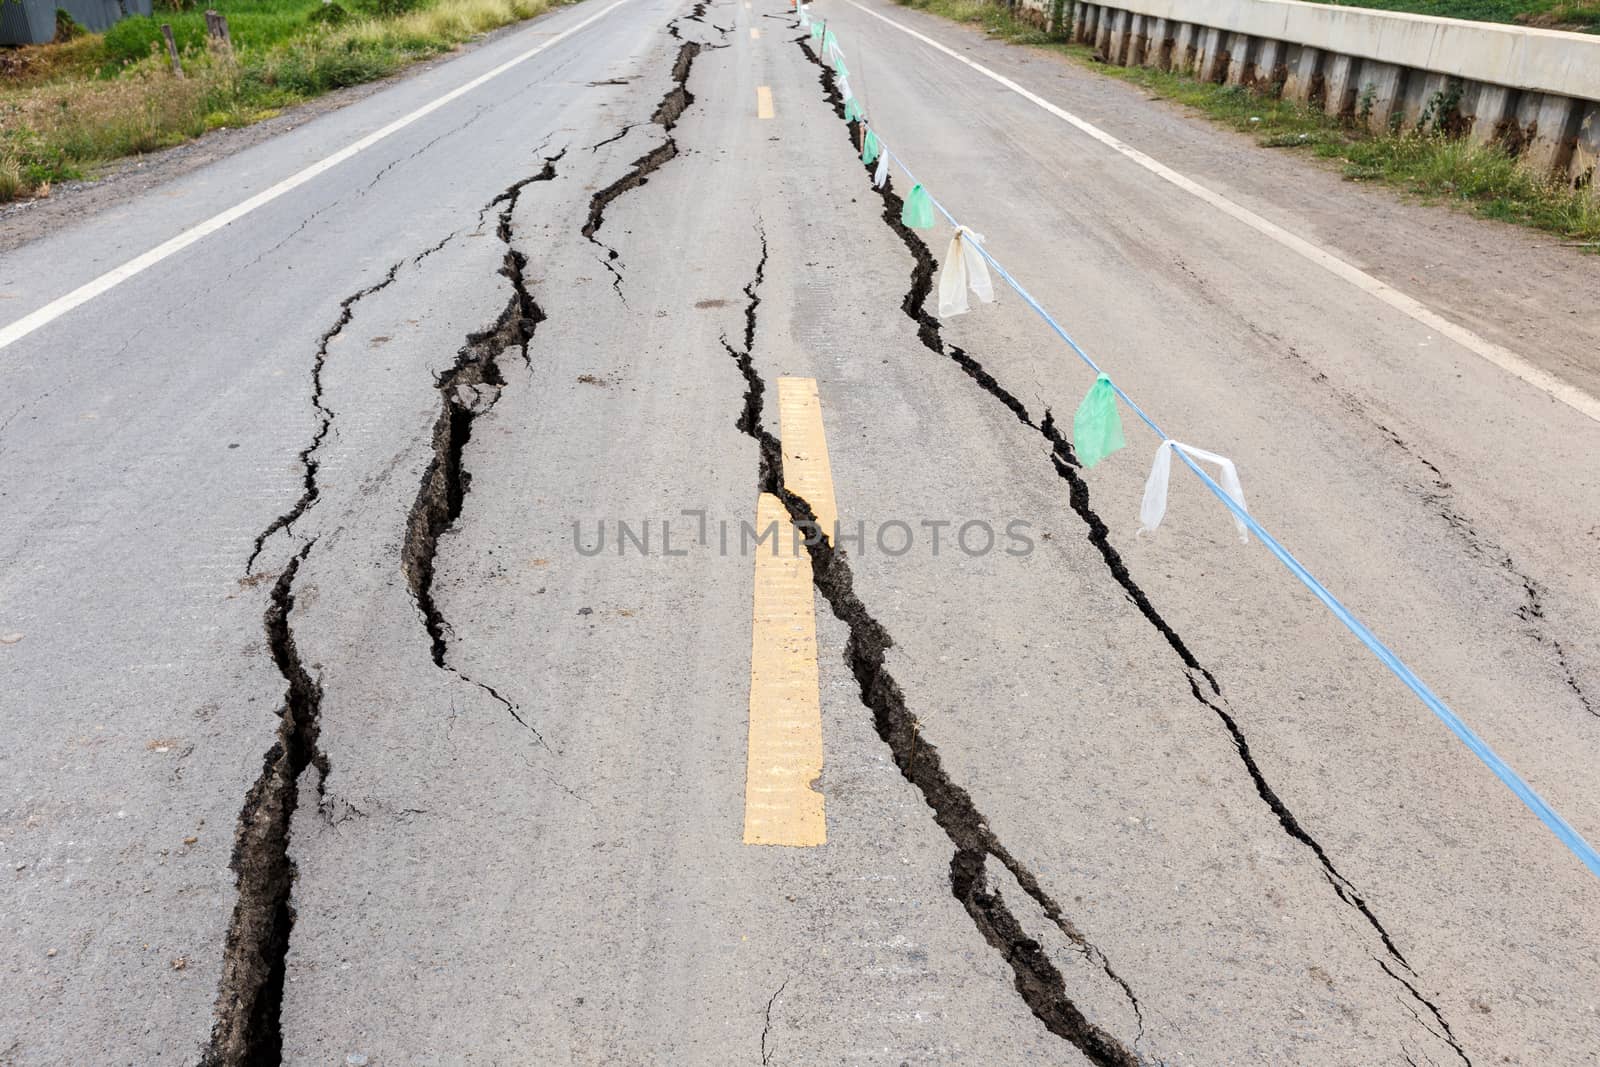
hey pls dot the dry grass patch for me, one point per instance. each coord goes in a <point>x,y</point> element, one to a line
<point>66,109</point>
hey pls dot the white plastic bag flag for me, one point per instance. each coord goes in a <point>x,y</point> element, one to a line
<point>1154,506</point>
<point>805,16</point>
<point>881,175</point>
<point>964,268</point>
<point>844,90</point>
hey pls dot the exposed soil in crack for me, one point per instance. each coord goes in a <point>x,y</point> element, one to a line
<point>250,995</point>
<point>672,105</point>
<point>1038,980</point>
<point>468,389</point>
<point>1067,468</point>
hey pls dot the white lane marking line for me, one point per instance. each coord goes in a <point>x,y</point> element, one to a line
<point>1501,357</point>
<point>116,276</point>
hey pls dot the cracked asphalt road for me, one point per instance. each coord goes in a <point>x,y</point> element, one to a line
<point>340,730</point>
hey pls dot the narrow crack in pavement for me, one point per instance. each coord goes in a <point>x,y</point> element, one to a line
<point>766,1027</point>
<point>1067,467</point>
<point>672,105</point>
<point>468,389</point>
<point>619,135</point>
<point>450,131</point>
<point>309,463</point>
<point>1037,979</point>
<point>1440,495</point>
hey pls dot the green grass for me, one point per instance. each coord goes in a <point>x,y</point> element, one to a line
<point>1580,15</point>
<point>1430,165</point>
<point>254,25</point>
<point>66,109</point>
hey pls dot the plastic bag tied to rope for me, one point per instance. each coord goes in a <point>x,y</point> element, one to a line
<point>1234,497</point>
<point>963,269</point>
<point>838,68</point>
<point>830,43</point>
<point>870,149</point>
<point>1154,505</point>
<point>852,111</point>
<point>816,31</point>
<point>1097,425</point>
<point>844,90</point>
<point>918,210</point>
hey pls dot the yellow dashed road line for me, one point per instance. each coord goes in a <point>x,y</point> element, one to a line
<point>806,470</point>
<point>785,756</point>
<point>755,33</point>
<point>780,807</point>
<point>763,101</point>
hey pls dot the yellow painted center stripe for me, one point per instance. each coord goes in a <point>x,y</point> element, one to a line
<point>780,807</point>
<point>755,33</point>
<point>806,470</point>
<point>764,102</point>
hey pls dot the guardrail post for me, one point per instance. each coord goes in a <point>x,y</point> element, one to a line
<point>172,49</point>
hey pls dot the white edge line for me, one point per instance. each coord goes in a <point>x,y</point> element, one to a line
<point>1501,357</point>
<point>32,321</point>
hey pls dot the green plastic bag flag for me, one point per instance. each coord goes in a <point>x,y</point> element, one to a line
<point>816,31</point>
<point>838,68</point>
<point>852,111</point>
<point>1097,427</point>
<point>829,42</point>
<point>918,210</point>
<point>869,148</point>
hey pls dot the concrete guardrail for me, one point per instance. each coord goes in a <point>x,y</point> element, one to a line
<point>1535,91</point>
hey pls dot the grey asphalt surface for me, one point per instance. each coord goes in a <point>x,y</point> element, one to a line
<point>518,770</point>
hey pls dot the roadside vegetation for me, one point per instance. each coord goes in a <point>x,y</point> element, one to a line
<point>1582,16</point>
<point>71,106</point>
<point>1427,163</point>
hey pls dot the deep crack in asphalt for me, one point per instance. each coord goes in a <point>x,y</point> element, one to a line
<point>247,1029</point>
<point>1037,979</point>
<point>250,994</point>
<point>666,115</point>
<point>1067,468</point>
<point>468,389</point>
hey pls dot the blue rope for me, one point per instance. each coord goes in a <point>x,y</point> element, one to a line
<point>1479,747</point>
